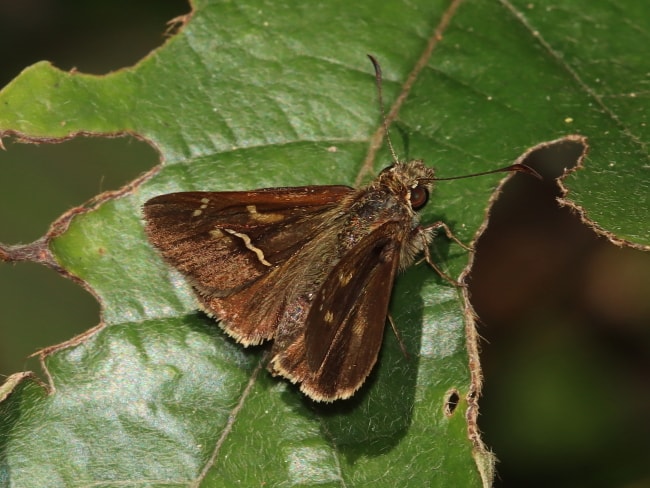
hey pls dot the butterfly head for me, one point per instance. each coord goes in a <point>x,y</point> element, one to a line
<point>412,182</point>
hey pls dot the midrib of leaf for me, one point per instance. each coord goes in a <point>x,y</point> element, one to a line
<point>377,139</point>
<point>231,421</point>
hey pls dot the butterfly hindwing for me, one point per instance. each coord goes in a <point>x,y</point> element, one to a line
<point>341,340</point>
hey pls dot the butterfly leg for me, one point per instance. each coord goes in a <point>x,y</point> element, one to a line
<point>426,233</point>
<point>397,335</point>
<point>450,235</point>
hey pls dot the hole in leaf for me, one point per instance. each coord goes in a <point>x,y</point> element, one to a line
<point>451,402</point>
<point>541,283</point>
<point>94,37</point>
<point>38,308</point>
<point>40,182</point>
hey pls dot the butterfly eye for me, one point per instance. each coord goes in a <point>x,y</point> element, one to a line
<point>419,197</point>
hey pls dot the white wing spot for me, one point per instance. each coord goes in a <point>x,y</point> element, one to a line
<point>204,205</point>
<point>265,218</point>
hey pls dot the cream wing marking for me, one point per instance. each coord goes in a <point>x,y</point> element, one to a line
<point>249,245</point>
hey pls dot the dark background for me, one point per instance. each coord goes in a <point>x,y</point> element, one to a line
<point>565,314</point>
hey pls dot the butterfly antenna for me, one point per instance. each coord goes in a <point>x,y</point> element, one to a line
<point>518,167</point>
<point>375,63</point>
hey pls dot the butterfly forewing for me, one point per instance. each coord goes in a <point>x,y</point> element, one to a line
<point>227,243</point>
<point>201,233</point>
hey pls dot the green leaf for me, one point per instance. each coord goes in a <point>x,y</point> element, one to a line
<point>250,95</point>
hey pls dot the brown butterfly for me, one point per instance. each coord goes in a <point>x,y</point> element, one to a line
<point>311,267</point>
